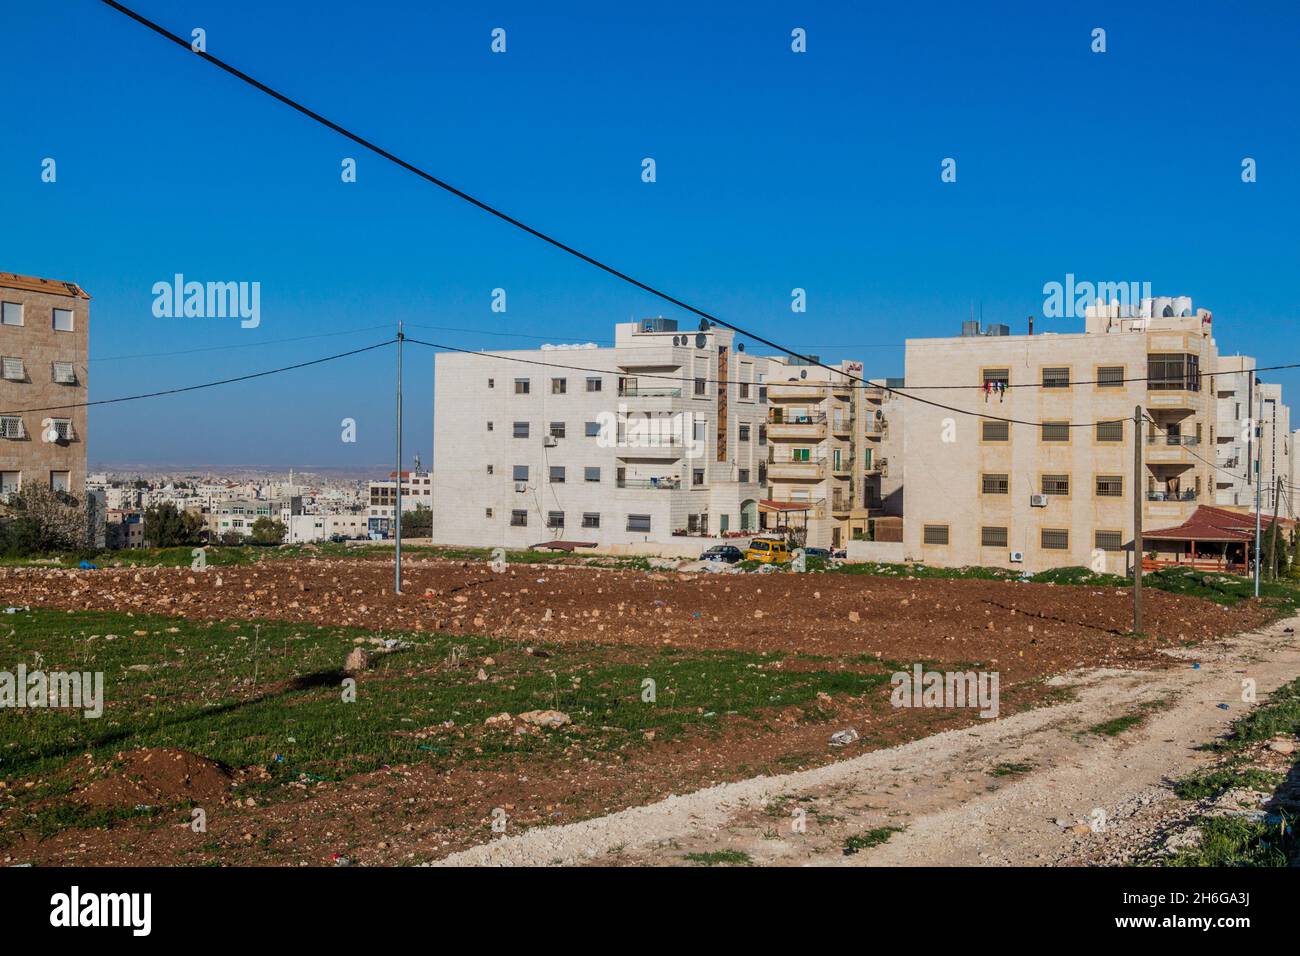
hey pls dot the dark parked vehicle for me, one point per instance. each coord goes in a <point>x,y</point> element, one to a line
<point>822,553</point>
<point>723,552</point>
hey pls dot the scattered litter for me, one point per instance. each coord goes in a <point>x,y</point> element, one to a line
<point>340,860</point>
<point>87,566</point>
<point>1223,707</point>
<point>1196,667</point>
<point>551,719</point>
<point>842,738</point>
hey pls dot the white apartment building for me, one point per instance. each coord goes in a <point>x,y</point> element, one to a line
<point>417,492</point>
<point>306,528</point>
<point>239,515</point>
<point>1254,428</point>
<point>653,440</point>
<point>984,492</point>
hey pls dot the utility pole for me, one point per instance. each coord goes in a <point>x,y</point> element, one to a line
<point>1257,434</point>
<point>1137,519</point>
<point>1272,533</point>
<point>397,519</point>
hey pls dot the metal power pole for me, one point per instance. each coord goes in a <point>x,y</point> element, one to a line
<point>1137,519</point>
<point>1257,433</point>
<point>397,518</point>
<point>1272,532</point>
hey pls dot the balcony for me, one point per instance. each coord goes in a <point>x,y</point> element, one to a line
<point>800,428</point>
<point>667,483</point>
<point>1173,440</point>
<point>648,391</point>
<point>841,425</point>
<point>808,391</point>
<point>793,469</point>
<point>1171,449</point>
<point>1172,496</point>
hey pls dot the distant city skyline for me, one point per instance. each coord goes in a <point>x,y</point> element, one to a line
<point>775,170</point>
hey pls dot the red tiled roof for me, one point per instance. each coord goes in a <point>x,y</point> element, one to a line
<point>1208,523</point>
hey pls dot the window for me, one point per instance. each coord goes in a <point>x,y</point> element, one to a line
<point>591,473</point>
<point>1056,431</point>
<point>1110,431</point>
<point>995,431</point>
<point>762,435</point>
<point>522,386</point>
<point>11,313</point>
<point>993,537</point>
<point>744,390</point>
<point>490,469</point>
<point>559,386</point>
<point>1173,371</point>
<point>62,320</point>
<point>521,473</point>
<point>557,474</point>
<point>1110,376</point>
<point>638,522</point>
<point>593,384</point>
<point>59,481</point>
<point>62,427</point>
<point>744,433</point>
<point>492,383</point>
<point>744,476</point>
<point>1055,539</point>
<point>592,429</point>
<point>1056,377</point>
<point>10,482</point>
<point>1110,486</point>
<point>557,429</point>
<point>64,373</point>
<point>591,519</point>
<point>1001,376</point>
<point>1109,541</point>
<point>555,519</point>
<point>11,426</point>
<point>487,512</point>
<point>934,534</point>
<point>1056,484</point>
<point>521,429</point>
<point>699,387</point>
<point>697,476</point>
<point>996,484</point>
<point>14,370</point>
<point>518,518</point>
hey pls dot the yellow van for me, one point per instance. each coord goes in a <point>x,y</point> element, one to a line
<point>768,551</point>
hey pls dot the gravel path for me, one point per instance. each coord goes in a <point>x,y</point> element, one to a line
<point>1037,788</point>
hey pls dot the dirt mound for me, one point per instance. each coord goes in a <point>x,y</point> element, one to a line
<point>155,777</point>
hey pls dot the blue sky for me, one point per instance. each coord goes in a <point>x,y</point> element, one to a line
<point>775,170</point>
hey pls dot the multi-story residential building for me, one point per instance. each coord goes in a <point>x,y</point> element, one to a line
<point>1275,451</point>
<point>238,516</point>
<point>1253,429</point>
<point>43,344</point>
<point>659,437</point>
<point>417,492</point>
<point>984,491</point>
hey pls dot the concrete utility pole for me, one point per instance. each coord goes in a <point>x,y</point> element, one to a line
<point>397,518</point>
<point>1272,533</point>
<point>1257,434</point>
<point>1137,519</point>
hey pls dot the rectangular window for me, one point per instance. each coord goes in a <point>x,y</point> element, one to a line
<point>744,433</point>
<point>1056,484</point>
<point>557,474</point>
<point>1173,371</point>
<point>996,484</point>
<point>521,429</point>
<point>591,473</point>
<point>63,427</point>
<point>11,313</point>
<point>519,518</point>
<point>522,386</point>
<point>10,481</point>
<point>999,376</point>
<point>592,429</point>
<point>762,435</point>
<point>555,519</point>
<point>520,473</point>
<point>934,534</point>
<point>1055,539</point>
<point>487,512</point>
<point>591,519</point>
<point>62,320</point>
<point>64,373</point>
<point>593,384</point>
<point>744,476</point>
<point>59,481</point>
<point>699,388</point>
<point>638,522</point>
<point>489,469</point>
<point>559,386</point>
<point>1110,486</point>
<point>492,383</point>
<point>13,369</point>
<point>1056,378</point>
<point>744,390</point>
<point>1056,431</point>
<point>490,426</point>
<point>993,537</point>
<point>557,429</point>
<point>995,431</point>
<point>1110,431</point>
<point>1109,541</point>
<point>1110,376</point>
<point>11,426</point>
<point>697,476</point>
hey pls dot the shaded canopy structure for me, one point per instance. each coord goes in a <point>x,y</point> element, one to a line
<point>1211,538</point>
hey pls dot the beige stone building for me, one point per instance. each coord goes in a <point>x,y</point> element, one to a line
<point>979,491</point>
<point>44,335</point>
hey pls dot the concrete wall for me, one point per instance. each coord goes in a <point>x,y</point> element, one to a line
<point>888,552</point>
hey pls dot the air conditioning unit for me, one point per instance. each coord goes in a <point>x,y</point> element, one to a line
<point>1038,501</point>
<point>521,486</point>
<point>1018,557</point>
<point>550,441</point>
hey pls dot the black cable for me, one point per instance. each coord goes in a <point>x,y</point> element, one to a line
<point>194,388</point>
<point>243,345</point>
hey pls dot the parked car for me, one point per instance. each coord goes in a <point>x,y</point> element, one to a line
<point>723,552</point>
<point>768,551</point>
<point>822,553</point>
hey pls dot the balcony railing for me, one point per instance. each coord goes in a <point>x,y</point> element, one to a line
<point>812,418</point>
<point>649,393</point>
<point>1187,440</point>
<point>662,484</point>
<point>1171,495</point>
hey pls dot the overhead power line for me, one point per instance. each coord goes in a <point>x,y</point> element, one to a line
<point>241,345</point>
<point>195,388</point>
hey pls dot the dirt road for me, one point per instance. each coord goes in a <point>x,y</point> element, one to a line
<point>1045,787</point>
